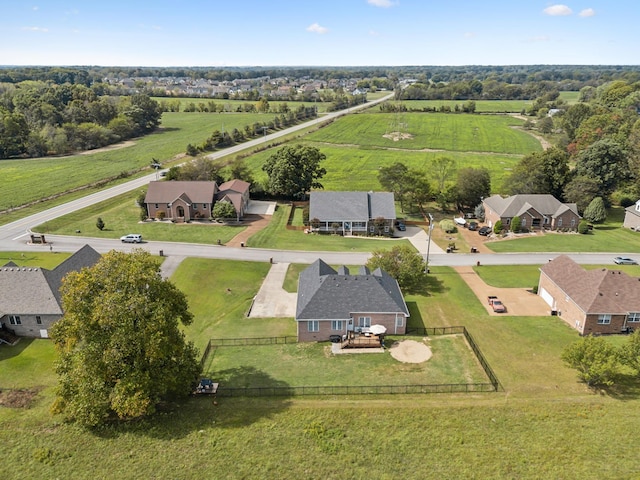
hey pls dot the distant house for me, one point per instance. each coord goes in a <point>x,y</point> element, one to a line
<point>353,213</point>
<point>632,216</point>
<point>185,200</point>
<point>30,296</point>
<point>334,302</point>
<point>535,211</point>
<point>599,301</point>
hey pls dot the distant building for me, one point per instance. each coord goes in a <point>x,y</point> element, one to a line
<point>535,211</point>
<point>632,217</point>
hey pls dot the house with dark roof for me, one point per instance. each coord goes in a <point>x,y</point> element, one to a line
<point>599,301</point>
<point>30,299</point>
<point>632,217</point>
<point>352,213</point>
<point>536,211</point>
<point>334,302</point>
<point>184,201</point>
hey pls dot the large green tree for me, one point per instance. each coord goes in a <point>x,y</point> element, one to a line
<point>294,170</point>
<point>393,178</point>
<point>119,344</point>
<point>605,161</point>
<point>581,190</point>
<point>595,211</point>
<point>473,184</point>
<point>630,352</point>
<point>402,263</point>
<point>540,172</point>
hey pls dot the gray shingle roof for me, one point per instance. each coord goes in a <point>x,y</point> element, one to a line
<point>515,205</point>
<point>351,206</point>
<point>595,291</point>
<point>168,191</point>
<point>35,291</point>
<point>323,293</point>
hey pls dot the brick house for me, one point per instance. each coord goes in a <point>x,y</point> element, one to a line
<point>535,211</point>
<point>632,217</point>
<point>600,301</point>
<point>334,302</point>
<point>30,296</point>
<point>353,213</point>
<point>191,200</point>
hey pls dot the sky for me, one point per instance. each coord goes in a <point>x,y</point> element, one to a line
<point>319,32</point>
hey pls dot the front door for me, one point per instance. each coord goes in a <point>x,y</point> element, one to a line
<point>180,211</point>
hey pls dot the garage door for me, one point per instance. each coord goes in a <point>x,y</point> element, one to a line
<point>546,296</point>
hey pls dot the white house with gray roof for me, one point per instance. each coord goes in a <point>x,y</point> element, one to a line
<point>632,217</point>
<point>535,211</point>
<point>352,213</point>
<point>30,299</point>
<point>334,302</point>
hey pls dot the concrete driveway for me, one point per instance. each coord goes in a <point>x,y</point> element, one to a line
<point>520,302</point>
<point>418,238</point>
<point>272,300</point>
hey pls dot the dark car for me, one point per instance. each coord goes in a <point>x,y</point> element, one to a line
<point>401,226</point>
<point>473,226</point>
<point>484,231</point>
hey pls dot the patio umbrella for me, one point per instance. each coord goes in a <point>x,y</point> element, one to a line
<point>377,329</point>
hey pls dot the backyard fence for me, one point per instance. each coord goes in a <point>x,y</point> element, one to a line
<point>288,391</point>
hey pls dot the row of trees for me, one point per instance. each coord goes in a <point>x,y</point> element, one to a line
<point>599,363</point>
<point>38,118</point>
<point>413,187</point>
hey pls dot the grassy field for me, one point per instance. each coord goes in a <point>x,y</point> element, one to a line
<point>482,106</point>
<point>545,424</point>
<point>465,133</point>
<point>231,106</point>
<point>276,236</point>
<point>121,216</point>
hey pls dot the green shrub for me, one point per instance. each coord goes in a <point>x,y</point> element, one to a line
<point>626,202</point>
<point>497,228</point>
<point>595,211</point>
<point>583,227</point>
<point>448,226</point>
<point>516,225</point>
<point>100,224</point>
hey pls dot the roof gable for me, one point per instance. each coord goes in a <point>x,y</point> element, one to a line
<point>515,205</point>
<point>324,293</point>
<point>169,191</point>
<point>351,206</point>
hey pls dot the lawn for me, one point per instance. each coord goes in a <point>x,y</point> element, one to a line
<point>452,132</point>
<point>311,364</point>
<point>43,259</point>
<point>276,236</point>
<point>482,106</point>
<point>231,106</point>
<point>121,216</point>
<point>545,424</point>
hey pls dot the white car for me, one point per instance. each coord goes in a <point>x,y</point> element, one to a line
<point>131,238</point>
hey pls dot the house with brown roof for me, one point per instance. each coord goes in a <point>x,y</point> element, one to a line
<point>30,299</point>
<point>599,301</point>
<point>184,201</point>
<point>336,302</point>
<point>632,217</point>
<point>535,211</point>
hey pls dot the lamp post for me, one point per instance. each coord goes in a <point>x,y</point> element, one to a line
<point>426,263</point>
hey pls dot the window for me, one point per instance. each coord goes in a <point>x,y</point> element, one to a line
<point>634,317</point>
<point>386,229</point>
<point>38,319</point>
<point>337,325</point>
<point>573,222</point>
<point>559,222</point>
<point>313,325</point>
<point>372,229</point>
<point>604,319</point>
<point>364,321</point>
<point>156,205</point>
<point>524,222</point>
<point>14,320</point>
<point>399,321</point>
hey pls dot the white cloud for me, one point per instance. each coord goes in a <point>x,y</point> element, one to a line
<point>558,10</point>
<point>316,28</point>
<point>587,12</point>
<point>36,29</point>
<point>383,3</point>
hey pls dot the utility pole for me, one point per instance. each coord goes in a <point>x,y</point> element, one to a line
<point>426,263</point>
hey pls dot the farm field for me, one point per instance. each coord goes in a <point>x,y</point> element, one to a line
<point>526,432</point>
<point>482,106</point>
<point>453,132</point>
<point>231,106</point>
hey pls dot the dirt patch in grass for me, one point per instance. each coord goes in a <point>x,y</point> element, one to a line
<point>20,398</point>
<point>397,136</point>
<point>410,351</point>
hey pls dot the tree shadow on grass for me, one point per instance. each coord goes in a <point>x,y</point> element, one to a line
<point>627,387</point>
<point>9,351</point>
<point>200,413</point>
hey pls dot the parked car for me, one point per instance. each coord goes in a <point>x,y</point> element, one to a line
<point>131,238</point>
<point>400,225</point>
<point>624,261</point>
<point>484,231</point>
<point>496,304</point>
<point>473,226</point>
